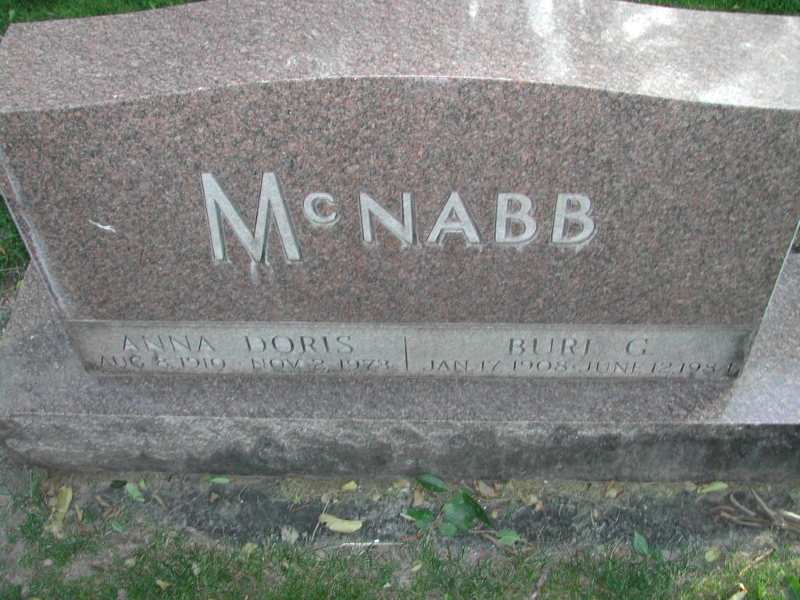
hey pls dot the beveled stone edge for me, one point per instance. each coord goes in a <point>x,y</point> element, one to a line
<point>497,350</point>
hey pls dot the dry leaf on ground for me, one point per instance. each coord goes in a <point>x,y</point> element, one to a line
<point>350,486</point>
<point>712,554</point>
<point>401,485</point>
<point>339,525</point>
<point>714,486</point>
<point>163,584</point>
<point>55,523</point>
<point>289,534</point>
<point>249,548</point>
<point>485,490</point>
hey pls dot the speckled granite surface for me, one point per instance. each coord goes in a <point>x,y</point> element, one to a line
<point>682,128</point>
<point>54,414</point>
<point>738,59</point>
<point>694,202</point>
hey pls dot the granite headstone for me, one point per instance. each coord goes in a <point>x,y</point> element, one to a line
<point>481,238</point>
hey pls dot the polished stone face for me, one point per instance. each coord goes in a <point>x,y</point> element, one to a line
<point>453,350</point>
<point>555,226</point>
<point>506,170</point>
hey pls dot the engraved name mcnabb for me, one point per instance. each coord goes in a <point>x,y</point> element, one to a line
<point>515,222</point>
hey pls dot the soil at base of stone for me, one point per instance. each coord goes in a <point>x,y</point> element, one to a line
<point>557,517</point>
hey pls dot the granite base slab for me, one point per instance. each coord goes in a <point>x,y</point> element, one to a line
<point>54,414</point>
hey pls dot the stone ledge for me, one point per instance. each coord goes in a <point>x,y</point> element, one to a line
<point>55,415</point>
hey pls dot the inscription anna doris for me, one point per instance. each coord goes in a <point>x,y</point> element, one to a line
<point>515,222</point>
<point>430,350</point>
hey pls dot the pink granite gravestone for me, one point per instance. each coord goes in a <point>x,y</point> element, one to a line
<point>477,226</point>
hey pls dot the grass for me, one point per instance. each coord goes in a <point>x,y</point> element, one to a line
<point>170,567</point>
<point>138,560</point>
<point>19,11</point>
<point>773,7</point>
<point>12,250</point>
<point>637,578</point>
<point>39,10</point>
<point>766,581</point>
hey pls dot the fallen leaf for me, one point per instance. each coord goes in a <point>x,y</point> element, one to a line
<point>339,525</point>
<point>219,480</point>
<point>103,502</point>
<point>508,537</point>
<point>249,548</point>
<point>350,486</point>
<point>133,492</point>
<point>640,543</point>
<point>738,596</point>
<point>484,490</point>
<point>289,534</point>
<point>460,513</point>
<point>130,562</point>
<point>477,510</point>
<point>716,486</point>
<point>158,499</point>
<point>213,497</point>
<point>450,529</point>
<point>55,524</point>
<point>63,500</point>
<point>421,516</point>
<point>613,491</point>
<point>78,513</point>
<point>419,497</point>
<point>712,554</point>
<point>416,567</point>
<point>163,584</point>
<point>375,497</point>
<point>195,569</point>
<point>401,484</point>
<point>432,483</point>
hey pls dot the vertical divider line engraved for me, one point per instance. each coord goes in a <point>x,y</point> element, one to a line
<point>554,351</point>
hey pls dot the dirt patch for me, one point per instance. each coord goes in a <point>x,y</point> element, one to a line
<point>556,517</point>
<point>568,515</point>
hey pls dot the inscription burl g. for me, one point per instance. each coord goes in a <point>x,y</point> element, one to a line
<point>515,223</point>
<point>350,349</point>
<point>456,350</point>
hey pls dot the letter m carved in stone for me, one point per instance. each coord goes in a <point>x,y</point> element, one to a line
<point>271,207</point>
